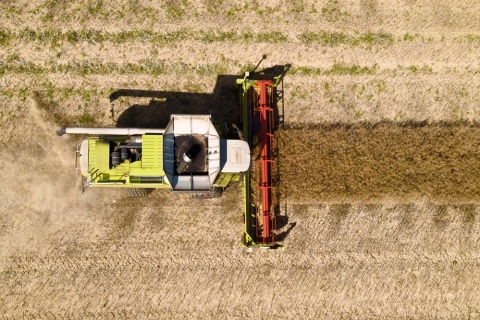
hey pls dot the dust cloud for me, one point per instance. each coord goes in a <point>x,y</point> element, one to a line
<point>40,190</point>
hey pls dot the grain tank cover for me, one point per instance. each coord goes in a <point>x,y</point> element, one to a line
<point>191,153</point>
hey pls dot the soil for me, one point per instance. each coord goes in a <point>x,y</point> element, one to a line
<point>377,160</point>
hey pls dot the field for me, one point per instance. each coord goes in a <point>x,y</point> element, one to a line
<point>377,169</point>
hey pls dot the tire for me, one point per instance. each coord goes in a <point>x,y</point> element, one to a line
<point>216,192</point>
<point>135,193</point>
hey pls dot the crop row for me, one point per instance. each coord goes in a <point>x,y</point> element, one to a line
<point>328,38</point>
<point>14,64</point>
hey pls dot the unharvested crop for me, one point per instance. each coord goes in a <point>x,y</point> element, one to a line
<point>381,162</point>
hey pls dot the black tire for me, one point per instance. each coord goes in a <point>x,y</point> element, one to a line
<point>216,192</point>
<point>135,192</point>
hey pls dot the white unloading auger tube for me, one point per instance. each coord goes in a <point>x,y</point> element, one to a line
<point>109,131</point>
<point>183,164</point>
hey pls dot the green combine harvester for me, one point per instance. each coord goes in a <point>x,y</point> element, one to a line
<point>187,156</point>
<point>190,156</point>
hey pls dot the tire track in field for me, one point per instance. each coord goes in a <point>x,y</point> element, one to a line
<point>371,262</point>
<point>328,285</point>
<point>385,161</point>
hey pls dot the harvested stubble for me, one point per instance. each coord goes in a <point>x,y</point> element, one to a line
<point>382,162</point>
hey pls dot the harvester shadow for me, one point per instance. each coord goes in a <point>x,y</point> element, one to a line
<point>282,221</point>
<point>222,105</point>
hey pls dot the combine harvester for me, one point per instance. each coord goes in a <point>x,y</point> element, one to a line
<point>187,156</point>
<point>190,156</point>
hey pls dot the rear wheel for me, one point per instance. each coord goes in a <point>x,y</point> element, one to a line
<point>216,192</point>
<point>135,192</point>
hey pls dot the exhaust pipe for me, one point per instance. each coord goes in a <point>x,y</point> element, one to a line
<point>108,131</point>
